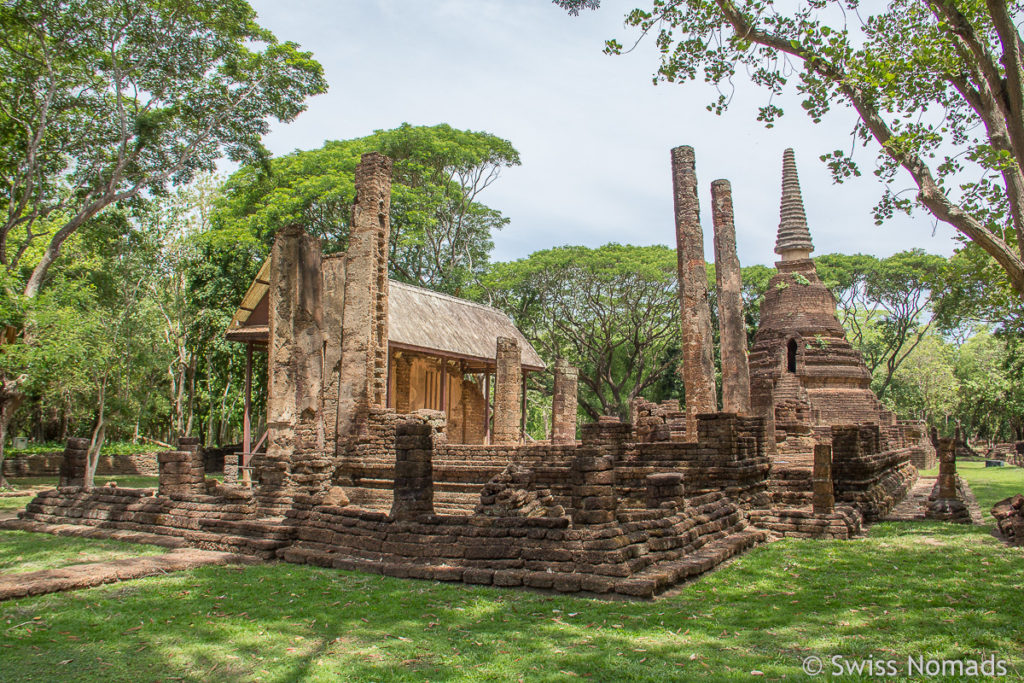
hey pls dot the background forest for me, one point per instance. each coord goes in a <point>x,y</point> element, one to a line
<point>129,327</point>
<point>123,256</point>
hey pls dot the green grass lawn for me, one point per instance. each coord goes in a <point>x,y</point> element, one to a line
<point>991,484</point>
<point>128,481</point>
<point>907,589</point>
<point>14,502</point>
<point>21,551</point>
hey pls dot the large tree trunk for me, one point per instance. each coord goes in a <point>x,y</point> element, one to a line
<point>222,431</point>
<point>191,376</point>
<point>98,435</point>
<point>7,407</point>
<point>10,399</point>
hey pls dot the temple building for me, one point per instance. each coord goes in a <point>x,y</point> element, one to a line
<point>343,339</point>
<point>383,453</point>
<point>804,374</point>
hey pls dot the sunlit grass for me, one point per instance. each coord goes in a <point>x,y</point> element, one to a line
<point>21,551</point>
<point>133,481</point>
<point>14,502</point>
<point>907,589</point>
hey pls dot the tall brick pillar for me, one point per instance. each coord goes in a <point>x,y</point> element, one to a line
<point>508,388</point>
<point>333,309</point>
<point>294,354</point>
<point>731,326</point>
<point>563,403</point>
<point>364,341</point>
<point>695,315</point>
<point>824,500</point>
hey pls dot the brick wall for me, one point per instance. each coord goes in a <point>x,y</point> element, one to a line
<point>48,464</point>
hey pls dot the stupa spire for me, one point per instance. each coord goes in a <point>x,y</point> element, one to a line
<point>794,239</point>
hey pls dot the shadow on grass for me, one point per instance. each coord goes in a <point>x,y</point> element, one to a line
<point>930,589</point>
<point>22,551</point>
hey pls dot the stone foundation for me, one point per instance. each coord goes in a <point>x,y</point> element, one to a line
<point>609,515</point>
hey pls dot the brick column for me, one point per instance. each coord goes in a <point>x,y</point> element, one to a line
<point>695,315</point>
<point>731,325</point>
<point>593,488</point>
<point>231,461</point>
<point>75,462</point>
<point>947,469</point>
<point>946,504</point>
<point>363,371</point>
<point>717,433</point>
<point>824,500</point>
<point>333,305</point>
<point>182,472</point>
<point>403,376</point>
<point>563,403</point>
<point>508,392</point>
<point>414,472</point>
<point>294,354</point>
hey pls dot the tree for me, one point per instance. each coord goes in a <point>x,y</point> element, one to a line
<point>105,101</point>
<point>440,231</point>
<point>926,386</point>
<point>938,85</point>
<point>611,311</point>
<point>95,333</point>
<point>975,294</point>
<point>104,104</point>
<point>846,276</point>
<point>885,304</point>
<point>755,285</point>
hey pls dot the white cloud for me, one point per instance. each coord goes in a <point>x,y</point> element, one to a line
<point>593,132</point>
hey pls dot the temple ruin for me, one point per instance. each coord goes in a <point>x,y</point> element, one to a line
<point>390,449</point>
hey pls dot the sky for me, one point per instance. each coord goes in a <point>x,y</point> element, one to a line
<point>592,130</point>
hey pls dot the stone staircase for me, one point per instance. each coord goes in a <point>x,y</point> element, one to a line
<point>788,388</point>
<point>457,482</point>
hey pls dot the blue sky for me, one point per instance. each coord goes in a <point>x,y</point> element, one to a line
<point>593,132</point>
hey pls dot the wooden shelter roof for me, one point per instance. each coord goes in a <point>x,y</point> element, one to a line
<point>419,320</point>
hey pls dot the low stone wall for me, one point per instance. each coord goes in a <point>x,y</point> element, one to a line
<point>636,553</point>
<point>1013,453</point>
<point>519,536</point>
<point>607,515</point>
<point>639,554</point>
<point>48,464</point>
<point>870,480</point>
<point>843,523</point>
<point>222,522</point>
